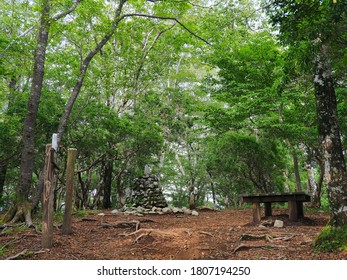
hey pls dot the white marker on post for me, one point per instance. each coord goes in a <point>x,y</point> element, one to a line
<point>55,141</point>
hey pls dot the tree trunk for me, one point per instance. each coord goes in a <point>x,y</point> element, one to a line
<point>329,133</point>
<point>317,187</point>
<point>297,172</point>
<point>85,186</point>
<point>3,171</point>
<point>213,188</point>
<point>192,194</point>
<point>108,172</point>
<point>27,155</point>
<point>83,71</point>
<point>22,206</point>
<point>121,191</point>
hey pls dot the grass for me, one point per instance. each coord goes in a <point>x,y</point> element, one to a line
<point>331,239</point>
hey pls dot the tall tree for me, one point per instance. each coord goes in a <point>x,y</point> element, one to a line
<point>21,207</point>
<point>316,30</point>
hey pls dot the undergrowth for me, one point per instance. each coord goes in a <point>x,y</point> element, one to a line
<point>331,239</point>
<point>2,249</point>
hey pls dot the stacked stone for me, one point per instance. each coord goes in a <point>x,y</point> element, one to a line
<point>141,211</point>
<point>147,193</point>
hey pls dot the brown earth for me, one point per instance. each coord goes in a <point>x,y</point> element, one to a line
<point>211,235</point>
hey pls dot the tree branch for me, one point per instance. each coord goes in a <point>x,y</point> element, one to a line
<point>69,11</point>
<point>181,1</point>
<point>168,18</point>
<point>146,52</point>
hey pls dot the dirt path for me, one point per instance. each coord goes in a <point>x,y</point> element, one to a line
<point>211,235</point>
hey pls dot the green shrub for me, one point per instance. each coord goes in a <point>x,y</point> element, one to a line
<point>331,239</point>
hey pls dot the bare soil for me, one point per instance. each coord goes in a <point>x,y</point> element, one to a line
<point>211,235</point>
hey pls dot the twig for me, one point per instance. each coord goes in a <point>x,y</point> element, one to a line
<point>17,255</point>
<point>168,18</point>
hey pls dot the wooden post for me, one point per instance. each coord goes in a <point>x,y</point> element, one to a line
<point>268,209</point>
<point>71,157</point>
<point>256,212</point>
<point>293,210</point>
<point>300,209</point>
<point>47,199</point>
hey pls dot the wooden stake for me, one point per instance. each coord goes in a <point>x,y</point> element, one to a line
<point>71,157</point>
<point>47,200</point>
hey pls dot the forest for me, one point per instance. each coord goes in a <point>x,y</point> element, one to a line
<point>216,98</point>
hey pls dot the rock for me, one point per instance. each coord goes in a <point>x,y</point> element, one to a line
<point>166,210</point>
<point>101,214</point>
<point>175,210</point>
<point>267,223</point>
<point>115,211</point>
<point>195,213</point>
<point>278,224</point>
<point>187,212</point>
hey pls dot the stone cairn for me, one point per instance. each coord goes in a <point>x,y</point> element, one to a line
<point>148,198</point>
<point>147,193</point>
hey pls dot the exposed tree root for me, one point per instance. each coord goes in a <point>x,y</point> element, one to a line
<point>266,237</point>
<point>17,255</point>
<point>4,228</point>
<point>19,213</point>
<point>24,253</point>
<point>7,244</point>
<point>263,246</point>
<point>150,231</point>
<point>206,233</point>
<point>285,238</point>
<point>10,214</point>
<point>88,220</point>
<point>123,224</point>
<point>17,239</point>
<point>147,221</point>
<point>256,237</point>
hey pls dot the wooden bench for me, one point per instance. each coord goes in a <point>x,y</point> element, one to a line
<point>295,203</point>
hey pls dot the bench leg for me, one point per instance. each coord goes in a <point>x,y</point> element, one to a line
<point>300,207</point>
<point>293,210</point>
<point>268,209</point>
<point>256,212</point>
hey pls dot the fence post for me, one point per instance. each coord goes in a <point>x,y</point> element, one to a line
<point>71,157</point>
<point>47,199</point>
